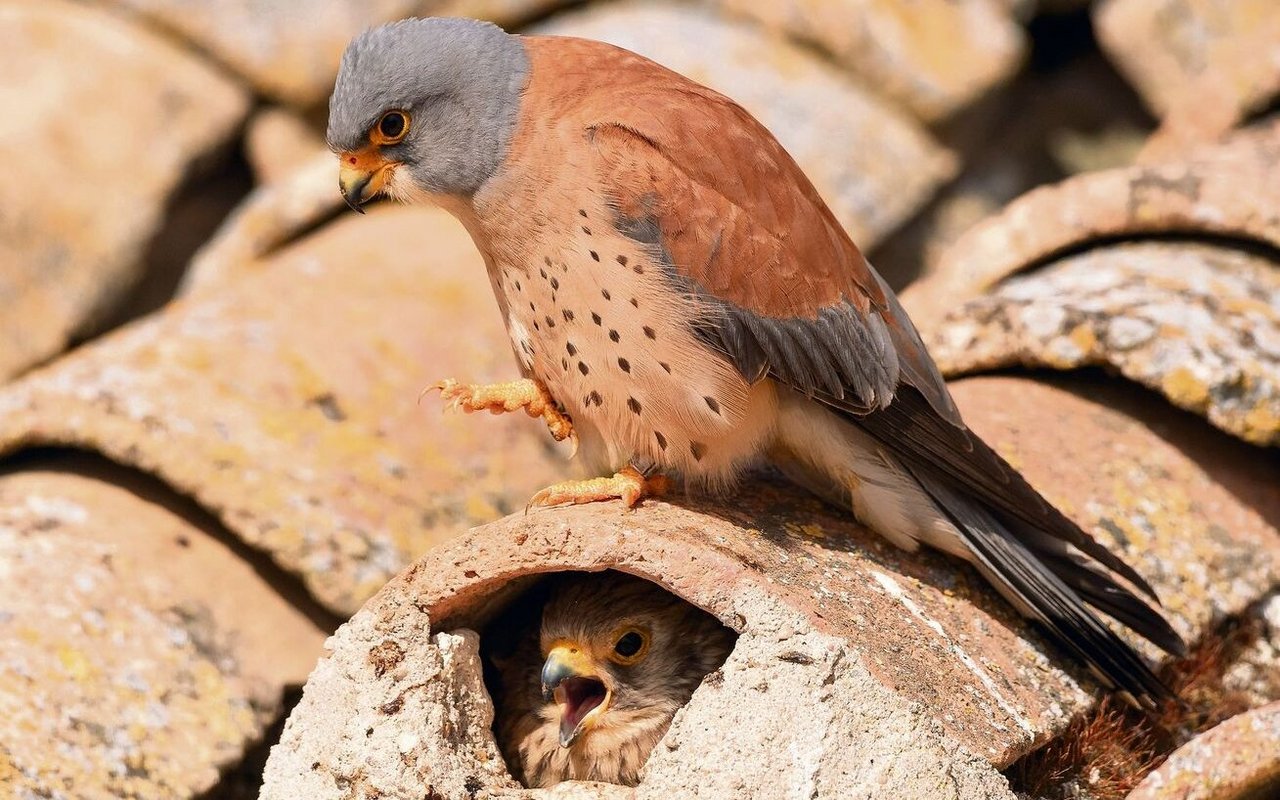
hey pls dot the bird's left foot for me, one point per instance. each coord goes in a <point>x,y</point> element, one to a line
<point>628,485</point>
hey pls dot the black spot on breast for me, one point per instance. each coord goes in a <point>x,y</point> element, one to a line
<point>543,273</point>
<point>624,365</point>
<point>639,270</point>
<point>555,283</point>
<point>634,405</point>
<point>582,212</point>
<point>564,364</point>
<point>662,440</point>
<point>614,336</point>
<point>595,317</point>
<point>622,260</point>
<point>650,332</point>
<point>586,230</point>
<point>713,404</point>
<point>567,314</point>
<point>551,323</point>
<point>546,260</point>
<point>698,449</point>
<point>571,348</point>
<point>592,399</point>
<point>605,294</point>
<point>583,368</point>
<point>532,307</point>
<point>519,288</point>
<point>665,366</point>
<point>635,303</point>
<point>594,255</point>
<point>536,326</point>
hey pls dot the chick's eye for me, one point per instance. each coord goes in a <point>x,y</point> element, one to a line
<point>629,644</point>
<point>391,128</point>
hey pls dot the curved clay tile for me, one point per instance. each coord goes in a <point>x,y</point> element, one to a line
<point>86,183</point>
<point>1203,66</point>
<point>286,402</point>
<point>870,662</point>
<point>1168,274</point>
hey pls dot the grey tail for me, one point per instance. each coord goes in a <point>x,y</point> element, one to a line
<point>1053,590</point>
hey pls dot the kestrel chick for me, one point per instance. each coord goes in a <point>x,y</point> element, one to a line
<point>589,692</point>
<point>680,298</point>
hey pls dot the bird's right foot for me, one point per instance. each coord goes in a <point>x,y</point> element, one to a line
<point>628,485</point>
<point>498,398</point>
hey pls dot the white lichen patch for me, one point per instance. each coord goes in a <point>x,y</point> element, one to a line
<point>1199,323</point>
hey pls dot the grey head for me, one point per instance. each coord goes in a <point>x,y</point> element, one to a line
<point>436,100</point>
<point>620,649</point>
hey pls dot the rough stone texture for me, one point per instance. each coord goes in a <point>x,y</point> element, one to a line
<point>141,655</point>
<point>850,143</point>
<point>285,403</point>
<point>102,121</point>
<point>933,56</point>
<point>1199,323</point>
<point>907,660</point>
<point>1231,190</point>
<point>1201,65</point>
<point>1237,760</point>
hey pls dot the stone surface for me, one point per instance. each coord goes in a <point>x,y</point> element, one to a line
<point>285,404</point>
<point>932,56</point>
<point>142,655</point>
<point>278,142</point>
<point>290,51</point>
<point>1231,190</point>
<point>273,214</point>
<point>909,672</point>
<point>1237,760</point>
<point>1201,65</point>
<point>1199,323</point>
<point>287,51</point>
<point>102,121</point>
<point>850,143</point>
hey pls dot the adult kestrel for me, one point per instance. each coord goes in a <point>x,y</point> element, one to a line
<point>592,687</point>
<point>681,300</point>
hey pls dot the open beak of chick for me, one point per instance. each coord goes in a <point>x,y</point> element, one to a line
<point>362,175</point>
<point>571,678</point>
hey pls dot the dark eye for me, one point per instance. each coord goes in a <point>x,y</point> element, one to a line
<point>391,128</point>
<point>629,644</point>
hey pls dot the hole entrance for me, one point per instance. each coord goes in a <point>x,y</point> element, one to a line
<point>567,705</point>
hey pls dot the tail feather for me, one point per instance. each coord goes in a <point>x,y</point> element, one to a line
<point>1036,587</point>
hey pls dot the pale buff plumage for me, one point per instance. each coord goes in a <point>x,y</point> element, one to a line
<point>686,645</point>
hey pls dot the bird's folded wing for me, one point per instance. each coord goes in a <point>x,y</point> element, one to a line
<point>787,295</point>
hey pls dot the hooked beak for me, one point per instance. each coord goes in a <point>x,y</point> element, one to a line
<point>362,175</point>
<point>570,678</point>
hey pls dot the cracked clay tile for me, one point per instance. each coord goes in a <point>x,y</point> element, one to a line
<point>914,674</point>
<point>141,655</point>
<point>848,141</point>
<point>932,56</point>
<point>85,192</point>
<point>286,403</point>
<point>1202,65</point>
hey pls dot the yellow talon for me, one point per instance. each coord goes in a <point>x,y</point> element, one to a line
<point>627,485</point>
<point>501,398</point>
